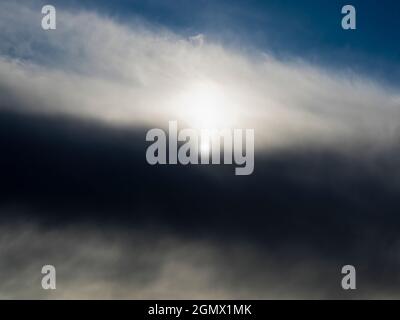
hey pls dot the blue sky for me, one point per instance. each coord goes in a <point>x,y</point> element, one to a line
<point>308,29</point>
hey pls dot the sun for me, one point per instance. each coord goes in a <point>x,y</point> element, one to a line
<point>205,106</point>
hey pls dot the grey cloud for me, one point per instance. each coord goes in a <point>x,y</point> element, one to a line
<point>97,263</point>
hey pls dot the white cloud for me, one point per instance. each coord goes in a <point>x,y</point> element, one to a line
<point>139,75</point>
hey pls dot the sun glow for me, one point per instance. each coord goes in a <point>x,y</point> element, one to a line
<point>205,147</point>
<point>206,106</point>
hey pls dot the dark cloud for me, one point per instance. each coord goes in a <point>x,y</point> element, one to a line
<point>93,262</point>
<point>340,208</point>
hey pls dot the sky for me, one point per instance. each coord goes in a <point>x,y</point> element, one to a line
<point>76,191</point>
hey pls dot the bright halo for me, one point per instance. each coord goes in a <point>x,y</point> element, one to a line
<point>205,106</point>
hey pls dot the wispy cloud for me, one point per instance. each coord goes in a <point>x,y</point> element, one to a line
<point>138,74</point>
<point>154,264</point>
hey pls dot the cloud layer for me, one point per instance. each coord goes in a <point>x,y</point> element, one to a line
<point>76,192</point>
<point>138,74</point>
<point>153,264</point>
